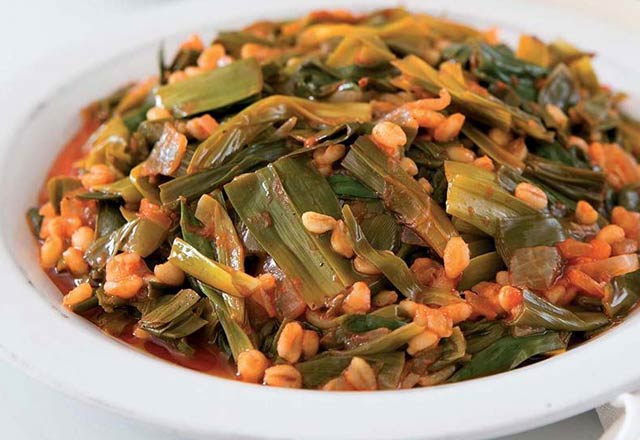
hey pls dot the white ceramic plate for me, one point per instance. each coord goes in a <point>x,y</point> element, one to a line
<point>66,351</point>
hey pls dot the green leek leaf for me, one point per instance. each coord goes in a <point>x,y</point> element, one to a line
<point>271,202</point>
<point>622,294</point>
<point>574,184</point>
<point>453,349</point>
<point>109,219</point>
<point>349,188</point>
<point>317,372</point>
<point>229,248</point>
<point>496,152</point>
<point>382,231</point>
<point>507,353</point>
<point>140,235</point>
<point>109,146</point>
<point>559,89</point>
<point>240,130</point>
<point>400,192</point>
<point>192,186</point>
<point>475,197</point>
<point>393,267</point>
<point>498,64</point>
<point>406,26</point>
<point>34,219</point>
<point>58,187</point>
<point>236,336</point>
<point>191,229</point>
<point>538,312</point>
<point>351,49</point>
<point>213,89</point>
<point>217,275</point>
<point>120,189</point>
<point>173,316</point>
<point>486,109</point>
<point>145,237</point>
<point>528,231</point>
<point>481,268</point>
<point>387,343</point>
<point>481,334</point>
<point>365,323</point>
<point>535,268</point>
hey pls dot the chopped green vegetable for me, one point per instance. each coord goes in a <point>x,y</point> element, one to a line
<point>109,145</point>
<point>271,202</point>
<point>538,312</point>
<point>453,349</point>
<point>352,47</point>
<point>34,219</point>
<point>316,372</point>
<point>475,197</point>
<point>401,194</point>
<point>236,336</point>
<point>364,323</point>
<point>140,235</point>
<point>481,334</point>
<point>507,353</point>
<point>387,343</point>
<point>58,187</point>
<point>393,267</point>
<point>173,317</point>
<point>239,131</point>
<point>350,188</point>
<point>622,294</point>
<point>217,275</point>
<point>535,267</point>
<point>109,219</point>
<point>192,186</point>
<point>212,90</point>
<point>481,268</point>
<point>559,89</point>
<point>229,249</point>
<point>528,231</point>
<point>121,189</point>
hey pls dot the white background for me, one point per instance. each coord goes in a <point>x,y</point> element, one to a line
<point>40,36</point>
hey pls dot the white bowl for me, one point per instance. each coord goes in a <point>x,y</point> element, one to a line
<point>69,353</point>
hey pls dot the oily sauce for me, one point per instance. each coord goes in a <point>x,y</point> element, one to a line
<point>207,359</point>
<point>70,154</point>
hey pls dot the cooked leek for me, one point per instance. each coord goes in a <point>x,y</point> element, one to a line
<point>538,312</point>
<point>401,194</point>
<point>229,249</point>
<point>475,197</point>
<point>507,353</point>
<point>271,202</point>
<point>312,174</point>
<point>317,372</point>
<point>212,90</point>
<point>393,267</point>
<point>220,276</point>
<point>481,268</point>
<point>238,131</point>
<point>622,294</point>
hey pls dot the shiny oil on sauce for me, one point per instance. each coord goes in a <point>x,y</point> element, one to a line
<point>206,359</point>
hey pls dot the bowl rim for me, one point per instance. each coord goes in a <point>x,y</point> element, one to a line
<point>554,389</point>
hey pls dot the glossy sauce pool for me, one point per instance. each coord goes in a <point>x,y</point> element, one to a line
<point>207,359</point>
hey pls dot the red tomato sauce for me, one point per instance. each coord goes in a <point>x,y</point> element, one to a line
<point>207,359</point>
<point>70,154</point>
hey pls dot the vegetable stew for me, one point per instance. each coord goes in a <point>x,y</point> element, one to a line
<point>351,202</point>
